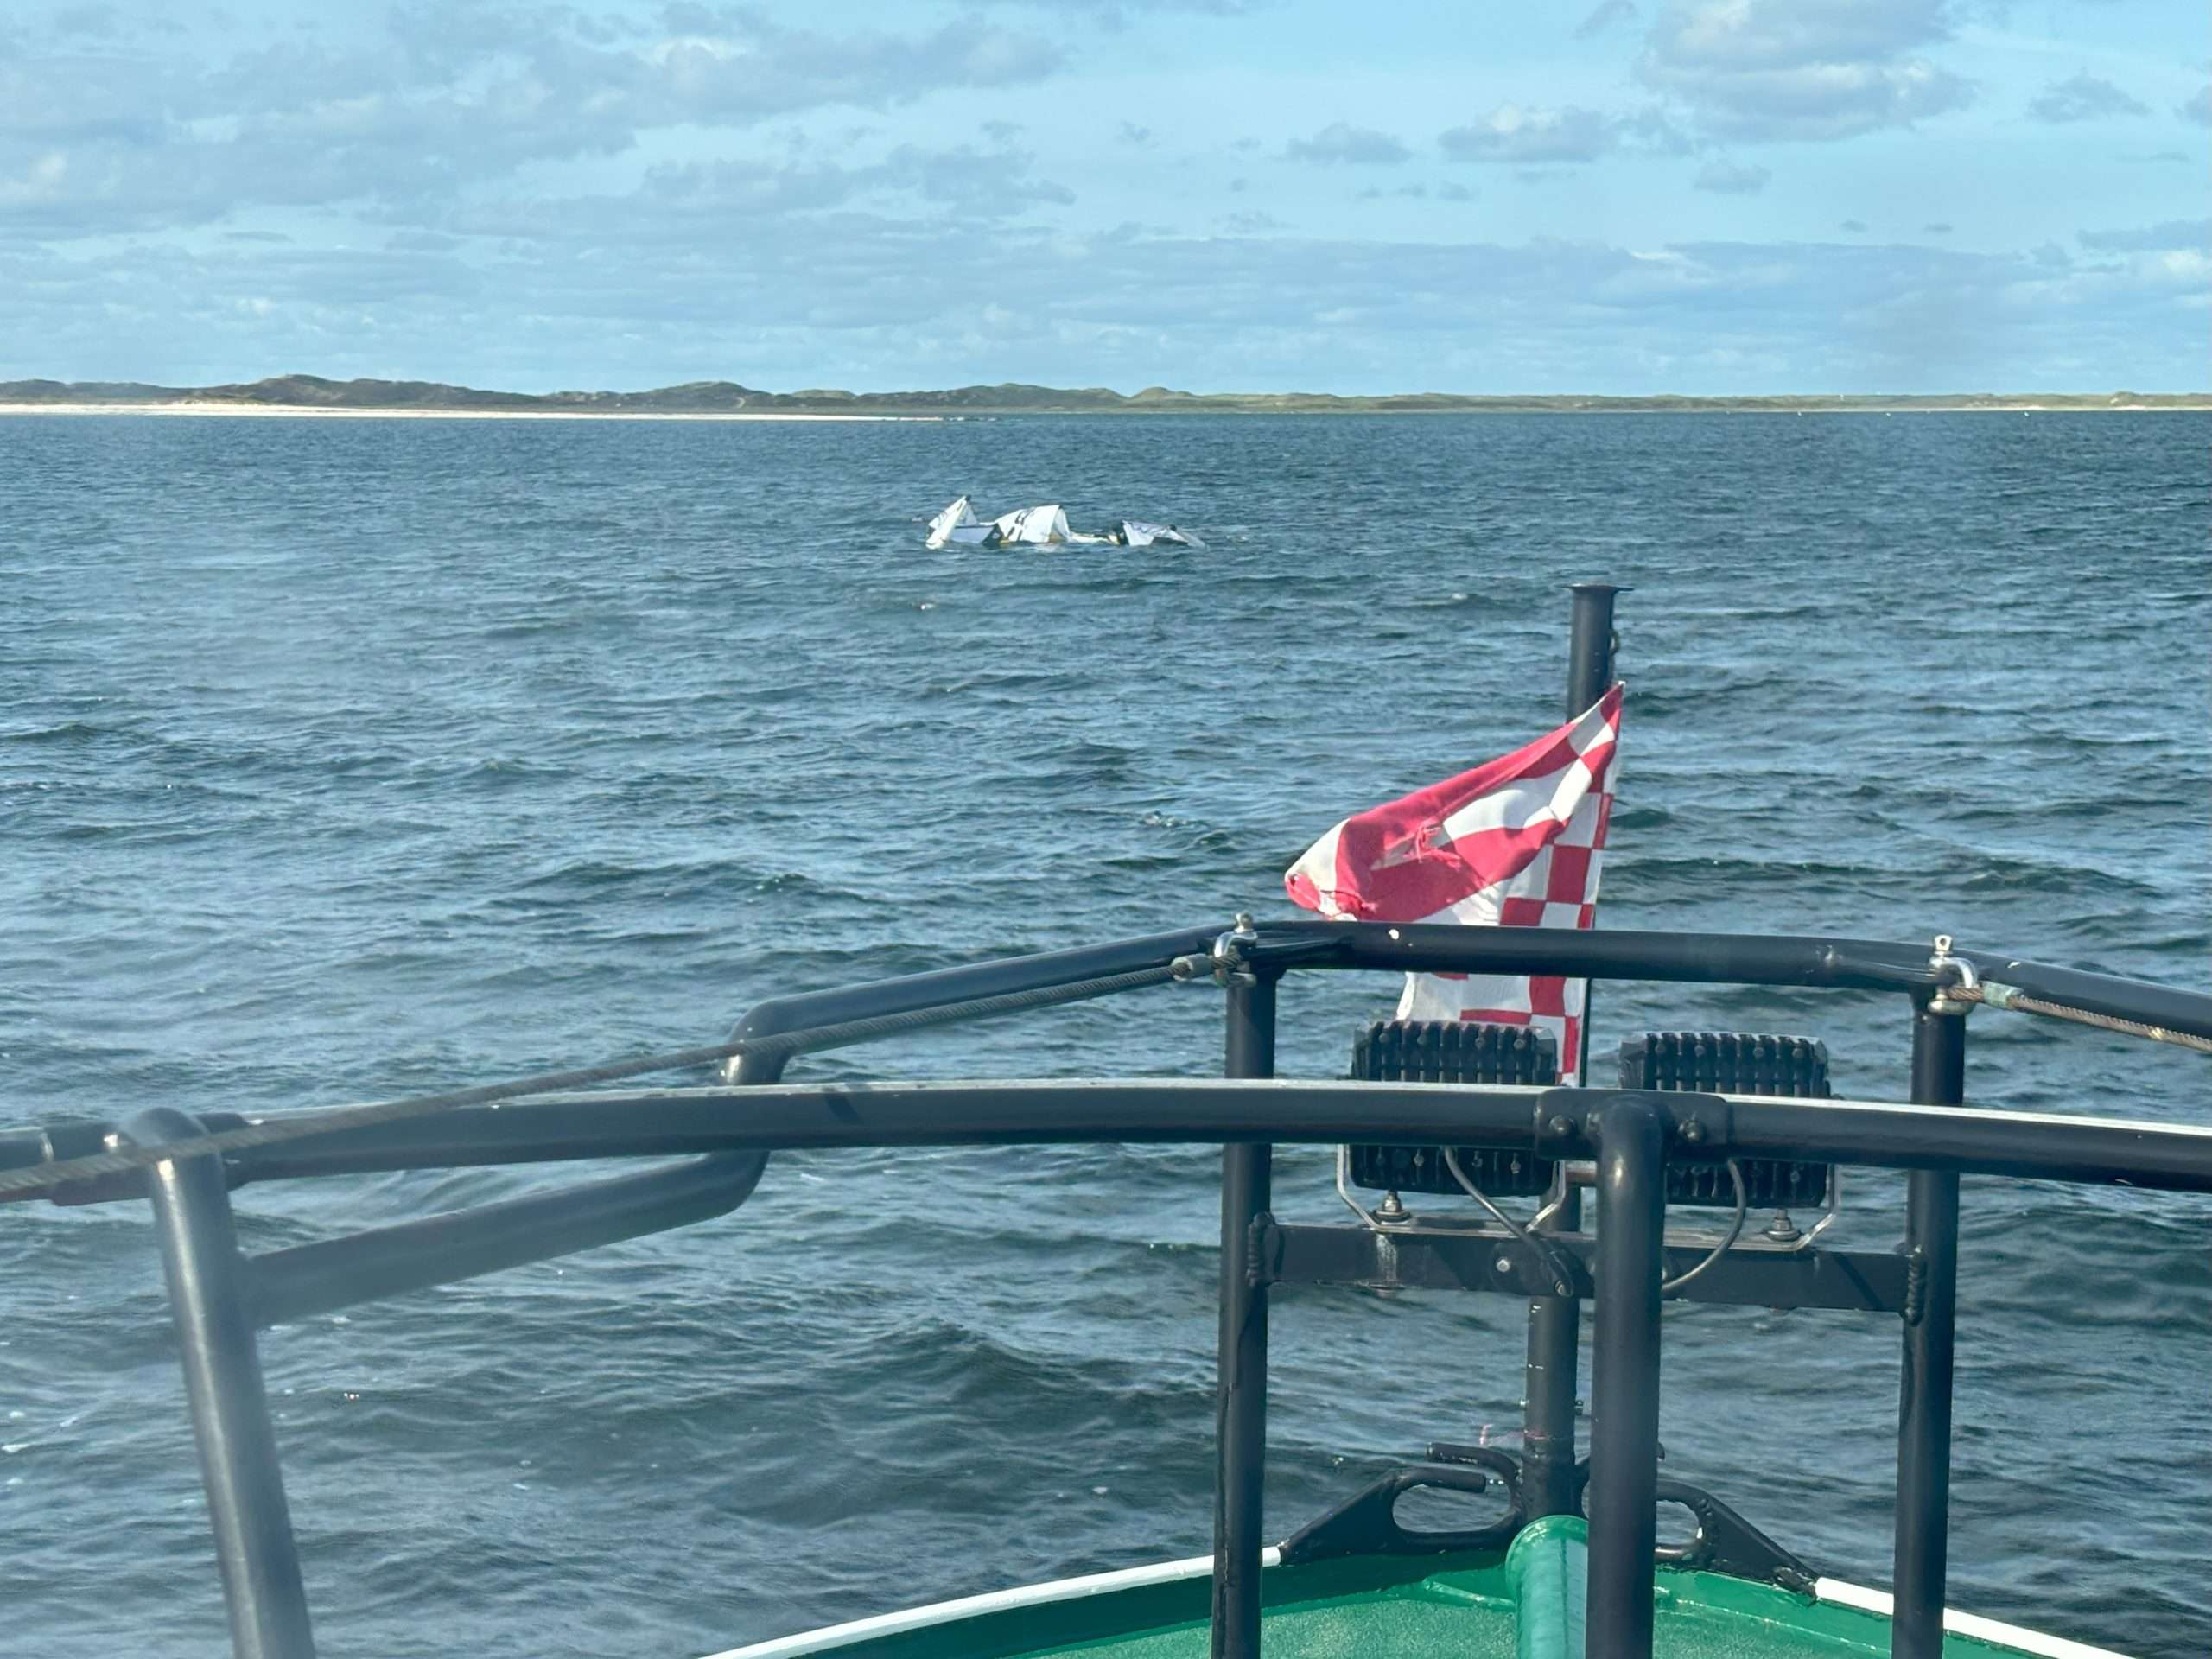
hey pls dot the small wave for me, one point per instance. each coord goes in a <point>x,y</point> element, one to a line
<point>69,731</point>
<point>1988,873</point>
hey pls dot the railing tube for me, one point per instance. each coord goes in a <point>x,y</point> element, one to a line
<point>1555,1322</point>
<point>253,1525</point>
<point>1624,1379</point>
<point>1240,1390</point>
<point>1924,1504</point>
<point>311,1279</point>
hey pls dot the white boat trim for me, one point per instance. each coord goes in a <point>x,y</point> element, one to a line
<point>1834,1591</point>
<point>1958,1623</point>
<point>991,1601</point>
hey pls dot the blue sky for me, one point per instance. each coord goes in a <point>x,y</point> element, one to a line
<point>1617,196</point>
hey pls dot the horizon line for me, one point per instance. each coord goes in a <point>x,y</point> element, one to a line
<point>298,389</point>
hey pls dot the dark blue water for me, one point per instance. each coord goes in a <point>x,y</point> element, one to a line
<point>347,756</point>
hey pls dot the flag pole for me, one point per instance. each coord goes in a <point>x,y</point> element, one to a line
<point>1555,1322</point>
<point>1591,644</point>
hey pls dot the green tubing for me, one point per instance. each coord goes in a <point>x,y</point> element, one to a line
<point>1548,1569</point>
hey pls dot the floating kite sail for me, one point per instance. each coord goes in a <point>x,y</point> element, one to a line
<point>1135,533</point>
<point>959,523</point>
<point>1045,526</point>
<point>1032,526</point>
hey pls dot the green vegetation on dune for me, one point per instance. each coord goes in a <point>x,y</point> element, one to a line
<point>728,397</point>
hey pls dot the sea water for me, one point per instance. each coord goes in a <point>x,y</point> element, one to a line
<point>344,757</point>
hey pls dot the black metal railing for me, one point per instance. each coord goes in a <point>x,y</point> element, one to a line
<point>219,1295</point>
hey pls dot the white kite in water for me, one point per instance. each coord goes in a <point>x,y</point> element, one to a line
<point>959,523</point>
<point>1134,532</point>
<point>1045,526</point>
<point>1036,526</point>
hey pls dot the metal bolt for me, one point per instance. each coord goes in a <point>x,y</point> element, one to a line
<point>1561,1125</point>
<point>1504,1265</point>
<point>1694,1131</point>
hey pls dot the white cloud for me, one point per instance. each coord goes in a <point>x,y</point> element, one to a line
<point>693,205</point>
<point>1730,178</point>
<point>1512,133</point>
<point>1114,14</point>
<point>2171,235</point>
<point>442,101</point>
<point>1340,143</point>
<point>2083,97</point>
<point>1803,69</point>
<point>1237,308</point>
<point>1602,16</point>
<point>1538,139</point>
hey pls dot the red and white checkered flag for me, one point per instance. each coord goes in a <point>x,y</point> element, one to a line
<point>1514,843</point>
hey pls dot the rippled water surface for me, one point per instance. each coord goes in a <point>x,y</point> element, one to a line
<point>341,757</point>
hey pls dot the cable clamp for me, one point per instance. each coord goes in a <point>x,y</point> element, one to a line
<point>1964,982</point>
<point>1227,962</point>
<point>1231,956</point>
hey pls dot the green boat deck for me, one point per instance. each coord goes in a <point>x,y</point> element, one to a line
<point>1463,1607</point>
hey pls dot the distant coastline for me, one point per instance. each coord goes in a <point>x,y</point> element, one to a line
<point>188,408</point>
<point>301,394</point>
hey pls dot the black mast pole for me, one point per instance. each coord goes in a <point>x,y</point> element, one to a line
<point>1555,1322</point>
<point>1590,647</point>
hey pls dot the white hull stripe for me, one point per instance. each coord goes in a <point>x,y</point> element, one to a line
<point>1958,1624</point>
<point>1833,1591</point>
<point>993,1601</point>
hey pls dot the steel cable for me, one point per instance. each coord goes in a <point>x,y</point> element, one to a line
<point>1990,994</point>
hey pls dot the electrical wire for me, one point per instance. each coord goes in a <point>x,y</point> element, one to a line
<point>1735,1231</point>
<point>1562,1281</point>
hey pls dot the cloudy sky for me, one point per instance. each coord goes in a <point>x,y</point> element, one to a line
<point>1467,195</point>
